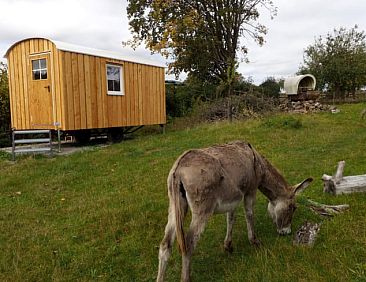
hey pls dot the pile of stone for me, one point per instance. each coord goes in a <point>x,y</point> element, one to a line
<point>309,106</point>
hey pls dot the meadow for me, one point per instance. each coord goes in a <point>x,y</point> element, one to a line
<point>100,214</point>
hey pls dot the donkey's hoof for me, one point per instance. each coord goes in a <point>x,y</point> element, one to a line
<point>255,242</point>
<point>228,247</point>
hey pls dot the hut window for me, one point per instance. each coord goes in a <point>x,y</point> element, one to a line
<point>39,69</point>
<point>115,79</point>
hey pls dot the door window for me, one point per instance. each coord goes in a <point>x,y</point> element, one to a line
<point>39,69</point>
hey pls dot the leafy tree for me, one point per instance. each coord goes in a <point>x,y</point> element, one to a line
<point>270,87</point>
<point>4,107</point>
<point>200,37</point>
<point>338,60</point>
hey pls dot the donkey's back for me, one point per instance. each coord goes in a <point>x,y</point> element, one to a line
<point>216,178</point>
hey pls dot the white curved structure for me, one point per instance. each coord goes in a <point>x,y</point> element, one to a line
<point>123,56</point>
<point>295,84</point>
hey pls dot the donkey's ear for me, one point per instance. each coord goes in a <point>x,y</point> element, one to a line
<point>302,186</point>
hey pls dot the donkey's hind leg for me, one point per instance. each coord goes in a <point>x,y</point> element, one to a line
<point>196,228</point>
<point>166,244</point>
<point>230,219</point>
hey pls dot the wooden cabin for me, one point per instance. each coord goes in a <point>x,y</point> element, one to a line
<point>60,86</point>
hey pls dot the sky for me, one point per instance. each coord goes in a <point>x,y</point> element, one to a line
<point>103,24</point>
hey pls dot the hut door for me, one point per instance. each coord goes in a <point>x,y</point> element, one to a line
<point>40,92</point>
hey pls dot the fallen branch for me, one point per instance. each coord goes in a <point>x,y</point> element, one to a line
<point>322,209</point>
<point>338,184</point>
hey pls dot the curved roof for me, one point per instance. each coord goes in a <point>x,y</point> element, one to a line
<point>64,46</point>
<point>292,84</point>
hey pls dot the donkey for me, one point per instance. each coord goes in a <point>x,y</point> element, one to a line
<point>215,180</point>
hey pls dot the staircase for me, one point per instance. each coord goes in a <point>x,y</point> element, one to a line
<point>36,145</point>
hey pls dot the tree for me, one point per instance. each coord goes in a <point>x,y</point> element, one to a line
<point>4,99</point>
<point>270,87</point>
<point>199,37</point>
<point>338,61</point>
<point>4,107</point>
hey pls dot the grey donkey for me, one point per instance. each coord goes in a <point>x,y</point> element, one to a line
<point>215,180</point>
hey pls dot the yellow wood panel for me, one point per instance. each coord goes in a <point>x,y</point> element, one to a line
<point>62,94</point>
<point>93,92</point>
<point>12,90</point>
<point>131,76</point>
<point>75,90</point>
<point>98,80</point>
<point>163,96</point>
<point>20,82</point>
<point>88,97</point>
<point>17,89</point>
<point>69,90</point>
<point>82,94</point>
<point>57,90</point>
<point>26,74</point>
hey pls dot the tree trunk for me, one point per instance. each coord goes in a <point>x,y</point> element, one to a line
<point>338,184</point>
<point>230,106</point>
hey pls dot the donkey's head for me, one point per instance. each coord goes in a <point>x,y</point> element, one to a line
<point>282,209</point>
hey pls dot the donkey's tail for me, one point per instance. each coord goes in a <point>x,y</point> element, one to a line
<point>178,196</point>
<point>179,213</point>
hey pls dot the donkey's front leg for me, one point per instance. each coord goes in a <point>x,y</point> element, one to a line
<point>230,219</point>
<point>249,201</point>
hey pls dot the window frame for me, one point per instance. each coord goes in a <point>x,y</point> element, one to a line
<point>121,78</point>
<point>39,69</point>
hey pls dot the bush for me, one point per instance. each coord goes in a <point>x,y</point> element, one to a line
<point>243,106</point>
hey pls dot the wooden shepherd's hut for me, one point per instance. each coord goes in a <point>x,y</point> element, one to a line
<point>60,86</point>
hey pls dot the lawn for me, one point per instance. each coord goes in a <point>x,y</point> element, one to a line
<point>100,214</point>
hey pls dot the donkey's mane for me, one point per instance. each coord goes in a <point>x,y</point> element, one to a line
<point>273,183</point>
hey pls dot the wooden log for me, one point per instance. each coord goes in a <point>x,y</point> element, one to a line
<point>338,184</point>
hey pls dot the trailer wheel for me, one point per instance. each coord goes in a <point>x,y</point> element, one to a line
<point>115,135</point>
<point>82,137</point>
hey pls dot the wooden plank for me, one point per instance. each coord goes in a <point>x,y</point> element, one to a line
<point>88,99</point>
<point>132,94</point>
<point>93,92</point>
<point>140,93</point>
<point>27,73</point>
<point>69,111</point>
<point>20,82</point>
<point>31,46</point>
<point>155,95</point>
<point>163,98</point>
<point>17,90</point>
<point>75,90</point>
<point>135,91</point>
<point>11,89</point>
<point>98,79</point>
<point>51,69</point>
<point>104,93</point>
<point>147,96</point>
<point>63,90</point>
<point>128,92</point>
<point>46,45</point>
<point>82,94</point>
<point>56,86</point>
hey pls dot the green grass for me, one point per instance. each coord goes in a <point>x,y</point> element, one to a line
<point>100,215</point>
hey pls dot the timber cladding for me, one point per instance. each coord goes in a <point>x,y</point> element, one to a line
<point>56,88</point>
